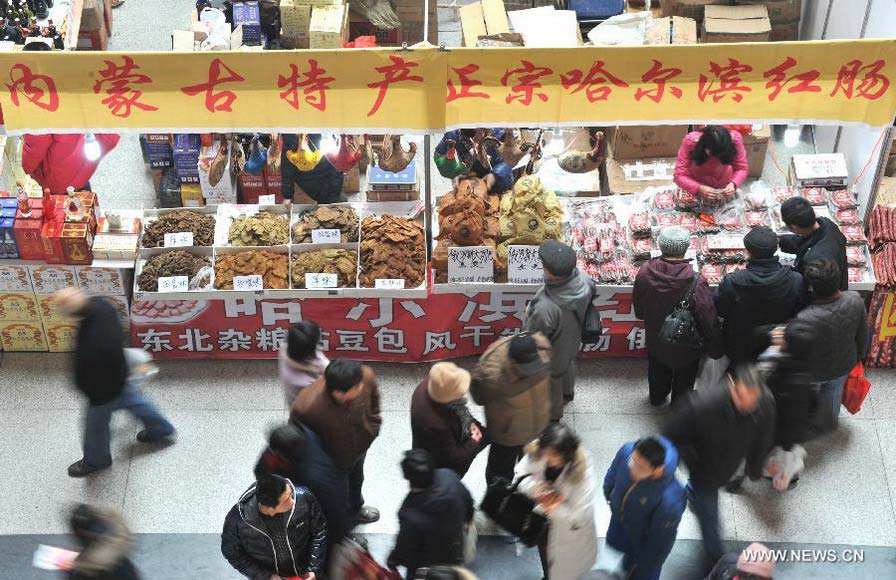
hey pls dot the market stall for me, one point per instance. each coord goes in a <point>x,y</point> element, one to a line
<point>247,271</point>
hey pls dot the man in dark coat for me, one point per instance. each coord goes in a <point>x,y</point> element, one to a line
<point>275,530</point>
<point>715,430</point>
<point>295,452</point>
<point>433,517</point>
<point>765,293</point>
<point>812,238</point>
<point>441,422</point>
<point>101,374</point>
<point>661,284</point>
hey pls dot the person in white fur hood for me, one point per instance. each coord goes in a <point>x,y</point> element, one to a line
<point>301,359</point>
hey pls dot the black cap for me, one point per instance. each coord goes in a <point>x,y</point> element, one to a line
<point>524,352</point>
<point>558,258</point>
<point>761,242</point>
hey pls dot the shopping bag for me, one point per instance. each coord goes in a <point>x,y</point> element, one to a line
<point>856,389</point>
<point>350,561</point>
<point>514,511</point>
<point>785,466</point>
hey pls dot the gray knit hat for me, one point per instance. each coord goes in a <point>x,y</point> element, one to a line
<point>558,258</point>
<point>674,241</point>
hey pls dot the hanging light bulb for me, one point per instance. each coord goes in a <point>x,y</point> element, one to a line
<point>328,144</point>
<point>92,149</point>
<point>792,135</point>
<point>555,145</point>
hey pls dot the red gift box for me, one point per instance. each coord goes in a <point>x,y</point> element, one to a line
<point>27,231</point>
<point>77,240</point>
<point>52,242</point>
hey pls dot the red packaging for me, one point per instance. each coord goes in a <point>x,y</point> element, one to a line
<point>814,195</point>
<point>51,234</point>
<point>685,200</point>
<point>847,217</point>
<point>27,231</point>
<point>855,255</point>
<point>842,199</point>
<point>272,182</point>
<point>76,242</point>
<point>712,273</point>
<point>756,218</point>
<point>664,200</point>
<point>854,235</point>
<point>782,193</point>
<point>666,219</point>
<point>639,224</point>
<point>251,187</point>
<point>856,275</point>
<point>688,221</point>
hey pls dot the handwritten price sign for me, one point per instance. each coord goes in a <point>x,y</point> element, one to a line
<point>389,283</point>
<point>178,239</point>
<point>524,265</point>
<point>326,236</point>
<point>317,280</point>
<point>173,284</point>
<point>267,199</point>
<point>252,283</point>
<point>474,264</point>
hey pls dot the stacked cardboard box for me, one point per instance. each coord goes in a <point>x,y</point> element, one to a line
<point>736,24</point>
<point>295,22</point>
<point>784,16</point>
<point>411,13</point>
<point>689,8</point>
<point>328,27</point>
<point>20,323</point>
<point>94,31</point>
<point>756,145</point>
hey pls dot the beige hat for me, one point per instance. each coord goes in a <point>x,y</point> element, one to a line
<point>447,382</point>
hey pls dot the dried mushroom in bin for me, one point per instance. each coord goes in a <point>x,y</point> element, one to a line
<point>327,217</point>
<point>261,229</point>
<point>343,263</point>
<point>392,248</point>
<point>202,226</point>
<point>176,263</point>
<point>272,267</point>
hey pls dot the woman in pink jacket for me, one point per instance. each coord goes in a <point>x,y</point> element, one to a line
<point>712,163</point>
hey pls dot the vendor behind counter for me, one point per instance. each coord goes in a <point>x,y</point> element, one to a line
<point>712,163</point>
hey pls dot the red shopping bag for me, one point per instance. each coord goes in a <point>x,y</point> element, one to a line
<point>856,389</point>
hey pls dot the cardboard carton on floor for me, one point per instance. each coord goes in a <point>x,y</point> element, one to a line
<point>19,306</point>
<point>329,26</point>
<point>756,145</point>
<point>22,336</point>
<point>647,141</point>
<point>295,22</point>
<point>671,30</point>
<point>747,23</point>
<point>689,8</point>
<point>779,10</point>
<point>619,182</point>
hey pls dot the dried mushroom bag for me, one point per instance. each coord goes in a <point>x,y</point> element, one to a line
<point>169,264</point>
<point>272,267</point>
<point>202,226</point>
<point>261,229</point>
<point>342,262</point>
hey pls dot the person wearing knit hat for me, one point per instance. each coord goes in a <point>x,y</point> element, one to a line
<point>441,422</point>
<point>557,311</point>
<point>763,295</point>
<point>754,563</point>
<point>661,284</point>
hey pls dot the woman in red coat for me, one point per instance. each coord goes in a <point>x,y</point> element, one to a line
<point>712,163</point>
<point>57,161</point>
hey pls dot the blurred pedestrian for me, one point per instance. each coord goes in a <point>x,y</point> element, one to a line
<point>296,452</point>
<point>441,422</point>
<point>646,502</point>
<point>716,430</point>
<point>433,518</point>
<point>302,361</point>
<point>754,563</point>
<point>662,284</point>
<point>556,472</point>
<point>104,544</point>
<point>275,531</point>
<point>813,238</point>
<point>841,329</point>
<point>512,381</point>
<point>557,311</point>
<point>445,573</point>
<point>343,408</point>
<point>101,374</point>
<point>765,293</point>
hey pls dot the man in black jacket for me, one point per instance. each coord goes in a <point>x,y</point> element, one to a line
<point>815,238</point>
<point>764,294</point>
<point>275,531</point>
<point>101,373</point>
<point>434,516</point>
<point>714,431</point>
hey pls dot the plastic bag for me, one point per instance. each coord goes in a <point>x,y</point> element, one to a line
<point>785,466</point>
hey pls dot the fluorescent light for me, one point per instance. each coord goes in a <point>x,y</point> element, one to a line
<point>792,135</point>
<point>92,149</point>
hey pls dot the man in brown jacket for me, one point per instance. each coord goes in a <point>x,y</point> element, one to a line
<point>512,381</point>
<point>343,409</point>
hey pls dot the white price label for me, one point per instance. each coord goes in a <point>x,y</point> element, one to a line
<point>314,280</point>
<point>251,283</point>
<point>473,264</point>
<point>173,284</point>
<point>178,239</point>
<point>267,199</point>
<point>524,265</point>
<point>326,236</point>
<point>389,283</point>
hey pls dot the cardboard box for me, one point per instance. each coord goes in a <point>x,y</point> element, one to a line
<point>329,26</point>
<point>51,236</point>
<point>49,310</point>
<point>19,306</point>
<point>689,8</point>
<point>23,337</point>
<point>93,15</point>
<point>50,279</point>
<point>27,232</point>
<point>671,30</point>
<point>785,31</point>
<point>819,170</point>
<point>248,15</point>
<point>77,240</point>
<point>158,150</point>
<point>756,145</point>
<point>352,181</point>
<point>60,336</point>
<point>778,10</point>
<point>647,141</point>
<point>185,40</point>
<point>295,18</point>
<point>186,157</point>
<point>8,247</point>
<point>102,280</point>
<point>748,23</point>
<point>15,279</point>
<point>618,183</point>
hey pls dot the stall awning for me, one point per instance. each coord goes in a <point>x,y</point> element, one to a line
<point>428,90</point>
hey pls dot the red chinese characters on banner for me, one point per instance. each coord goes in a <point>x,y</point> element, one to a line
<point>593,82</point>
<point>397,72</point>
<point>527,85</point>
<point>117,82</point>
<point>314,84</point>
<point>443,326</point>
<point>778,79</point>
<point>466,82</point>
<point>38,89</point>
<point>220,100</point>
<point>660,77</point>
<point>872,85</point>
<point>729,82</point>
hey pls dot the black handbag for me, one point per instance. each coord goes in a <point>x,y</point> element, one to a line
<point>592,328</point>
<point>680,326</point>
<point>514,511</point>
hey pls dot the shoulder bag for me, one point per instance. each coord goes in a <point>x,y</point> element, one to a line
<point>592,328</point>
<point>680,326</point>
<point>514,511</point>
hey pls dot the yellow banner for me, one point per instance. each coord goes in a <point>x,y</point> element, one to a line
<point>427,90</point>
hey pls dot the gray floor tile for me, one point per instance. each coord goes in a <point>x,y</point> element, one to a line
<point>615,387</point>
<point>189,486</point>
<point>843,496</point>
<point>38,446</point>
<point>882,396</point>
<point>886,434</point>
<point>142,25</point>
<point>124,190</point>
<point>228,384</point>
<point>35,380</point>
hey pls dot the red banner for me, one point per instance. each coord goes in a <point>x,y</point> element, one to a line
<point>442,326</point>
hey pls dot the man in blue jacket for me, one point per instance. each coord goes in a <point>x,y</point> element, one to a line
<point>647,504</point>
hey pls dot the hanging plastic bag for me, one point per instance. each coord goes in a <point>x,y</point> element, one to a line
<point>347,156</point>
<point>305,158</point>
<point>258,157</point>
<point>449,164</point>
